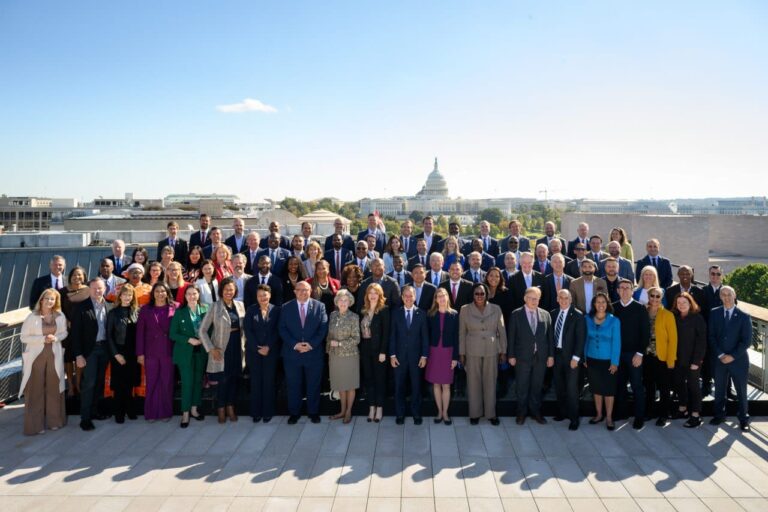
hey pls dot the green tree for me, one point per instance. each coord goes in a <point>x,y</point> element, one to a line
<point>492,215</point>
<point>750,283</point>
<point>416,216</point>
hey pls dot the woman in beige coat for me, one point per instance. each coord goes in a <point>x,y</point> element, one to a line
<point>225,347</point>
<point>43,365</point>
<point>482,345</point>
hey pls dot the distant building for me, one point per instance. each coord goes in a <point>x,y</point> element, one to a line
<point>322,222</point>
<point>434,199</point>
<point>176,200</point>
<point>127,202</point>
<point>625,206</point>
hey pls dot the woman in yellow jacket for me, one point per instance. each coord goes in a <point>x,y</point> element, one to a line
<point>659,360</point>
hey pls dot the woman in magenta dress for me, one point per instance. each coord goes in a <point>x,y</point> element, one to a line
<point>154,349</point>
<point>443,352</point>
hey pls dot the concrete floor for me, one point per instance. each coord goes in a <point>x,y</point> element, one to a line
<point>370,467</point>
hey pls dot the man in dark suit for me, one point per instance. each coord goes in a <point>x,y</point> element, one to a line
<point>284,241</point>
<point>263,276</point>
<point>596,252</point>
<point>711,301</point>
<point>361,258</point>
<point>523,279</point>
<point>422,256</point>
<point>111,281</point>
<point>237,242</point>
<point>401,276</point>
<point>626,269</point>
<point>297,247</point>
<point>582,238</point>
<point>530,350</point>
<point>348,242</point>
<point>55,279</point>
<point>119,259</point>
<point>486,260</point>
<point>407,240</point>
<point>423,289</point>
<point>662,264</point>
<point>454,230</point>
<point>549,235</point>
<point>200,237</point>
<point>436,274</point>
<point>338,256</point>
<point>306,234</point>
<point>474,274</point>
<point>459,290</point>
<point>432,238</point>
<point>408,351</point>
<point>512,244</point>
<point>373,229</point>
<point>490,245</point>
<point>303,326</point>
<point>276,254</point>
<point>508,266</point>
<point>573,267</point>
<point>569,334</point>
<point>635,336</point>
<point>541,264</point>
<point>554,282</point>
<point>214,242</point>
<point>251,252</point>
<point>523,243</point>
<point>684,284</point>
<point>179,245</point>
<point>389,285</point>
<point>89,346</point>
<point>730,335</point>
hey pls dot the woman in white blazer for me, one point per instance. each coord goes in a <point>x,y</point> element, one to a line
<point>42,378</point>
<point>208,286</point>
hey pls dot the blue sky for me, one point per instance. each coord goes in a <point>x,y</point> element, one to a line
<point>585,99</point>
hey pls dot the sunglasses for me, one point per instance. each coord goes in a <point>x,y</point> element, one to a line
<point>715,273</point>
<point>654,296</point>
<point>479,294</point>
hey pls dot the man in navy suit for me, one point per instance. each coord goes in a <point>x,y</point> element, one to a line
<point>523,279</point>
<point>711,301</point>
<point>422,256</point>
<point>276,254</point>
<point>303,326</point>
<point>424,290</point>
<point>509,266</point>
<point>730,334</point>
<point>581,238</point>
<point>549,235</point>
<point>263,276</point>
<point>407,241</point>
<point>55,279</point>
<point>338,229</point>
<point>486,260</point>
<point>454,230</point>
<point>361,258</point>
<point>542,264</point>
<point>119,258</point>
<point>399,274</point>
<point>214,239</point>
<point>569,333</point>
<point>474,274</point>
<point>179,245</point>
<point>554,282</point>
<point>373,229</point>
<point>625,266</point>
<point>490,244</point>
<point>459,290</point>
<point>236,242</point>
<point>251,252</point>
<point>200,237</point>
<point>523,244</point>
<point>408,351</point>
<point>662,264</point>
<point>274,228</point>
<point>338,256</point>
<point>436,274</point>
<point>433,239</point>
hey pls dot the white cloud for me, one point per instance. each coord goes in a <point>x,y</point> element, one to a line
<point>247,105</point>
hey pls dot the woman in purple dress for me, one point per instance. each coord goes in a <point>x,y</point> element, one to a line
<point>443,352</point>
<point>154,349</point>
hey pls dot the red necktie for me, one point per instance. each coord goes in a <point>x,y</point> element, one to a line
<point>453,287</point>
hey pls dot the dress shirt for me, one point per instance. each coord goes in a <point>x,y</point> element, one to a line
<point>528,280</point>
<point>589,290</point>
<point>100,309</point>
<point>264,279</point>
<point>57,282</point>
<point>728,313</point>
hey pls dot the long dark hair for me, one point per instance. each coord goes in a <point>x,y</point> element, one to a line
<point>608,307</point>
<point>160,284</point>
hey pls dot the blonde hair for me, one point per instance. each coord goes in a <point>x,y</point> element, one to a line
<point>180,280</point>
<point>435,308</point>
<point>56,295</point>
<point>128,287</point>
<point>314,244</point>
<point>455,243</point>
<point>652,270</point>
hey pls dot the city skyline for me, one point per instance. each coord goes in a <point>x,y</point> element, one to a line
<point>655,101</point>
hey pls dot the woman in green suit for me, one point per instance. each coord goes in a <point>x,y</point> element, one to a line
<point>188,353</point>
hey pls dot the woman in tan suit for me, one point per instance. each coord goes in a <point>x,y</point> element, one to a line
<point>343,353</point>
<point>43,365</point>
<point>482,344</point>
<point>225,347</point>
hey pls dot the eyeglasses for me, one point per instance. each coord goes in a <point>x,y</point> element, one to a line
<point>715,273</point>
<point>654,296</point>
<point>479,294</point>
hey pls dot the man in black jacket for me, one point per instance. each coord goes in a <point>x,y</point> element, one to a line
<point>55,279</point>
<point>569,332</point>
<point>635,336</point>
<point>89,346</point>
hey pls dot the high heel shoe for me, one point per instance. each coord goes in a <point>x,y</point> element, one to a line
<point>378,416</point>
<point>184,424</point>
<point>595,421</point>
<point>231,413</point>
<point>222,415</point>
<point>610,425</point>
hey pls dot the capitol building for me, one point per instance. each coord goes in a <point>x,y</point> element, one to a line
<point>433,199</point>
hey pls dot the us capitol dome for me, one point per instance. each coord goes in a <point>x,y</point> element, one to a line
<point>436,186</point>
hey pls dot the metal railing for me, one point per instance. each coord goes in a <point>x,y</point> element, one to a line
<point>10,353</point>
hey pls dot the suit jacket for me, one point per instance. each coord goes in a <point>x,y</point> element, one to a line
<point>463,293</point>
<point>85,328</point>
<point>313,332</point>
<point>523,244</point>
<point>517,286</point>
<point>711,300</point>
<point>443,276</point>
<point>481,334</point>
<point>493,246</point>
<point>507,276</point>
<point>208,251</point>
<point>549,291</point>
<point>486,261</point>
<point>232,244</point>
<point>600,256</point>
<point>390,287</point>
<point>285,243</point>
<point>427,295</point>
<point>218,318</point>
<point>468,276</point>
<point>41,284</point>
<point>573,333</point>
<point>347,243</point>
<point>664,268</point>
<point>543,240</point>
<point>732,337</point>
<point>180,250</point>
<point>571,250</point>
<point>407,277</point>
<point>182,328</point>
<point>380,325</point>
<point>195,239</point>
<point>572,268</point>
<point>415,259</point>
<point>251,288</point>
<point>381,240</point>
<point>251,266</point>
<point>330,256</point>
<point>671,293</point>
<point>281,258</point>
<point>406,343</point>
<point>579,295</point>
<point>436,239</point>
<point>521,340</point>
<point>125,261</point>
<point>449,333</point>
<point>411,252</point>
<point>547,267</point>
<point>625,269</point>
<point>261,332</point>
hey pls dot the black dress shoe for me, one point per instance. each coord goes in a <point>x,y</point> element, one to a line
<point>437,421</point>
<point>417,421</point>
<point>610,426</point>
<point>520,420</point>
<point>400,420</point>
<point>448,422</point>
<point>540,419</point>
<point>87,425</point>
<point>744,426</point>
<point>314,418</point>
<point>199,417</point>
<point>558,418</point>
<point>716,421</point>
<point>256,419</point>
<point>638,424</point>
<point>474,421</point>
<point>494,421</point>
<point>120,419</point>
<point>293,419</point>
<point>574,425</point>
<point>661,421</point>
<point>184,424</point>
<point>693,422</point>
<point>267,419</point>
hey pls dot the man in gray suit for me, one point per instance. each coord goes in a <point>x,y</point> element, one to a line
<point>625,266</point>
<point>530,349</point>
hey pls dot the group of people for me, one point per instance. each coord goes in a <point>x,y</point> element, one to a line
<point>354,313</point>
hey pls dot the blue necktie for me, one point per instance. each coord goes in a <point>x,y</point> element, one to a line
<point>408,318</point>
